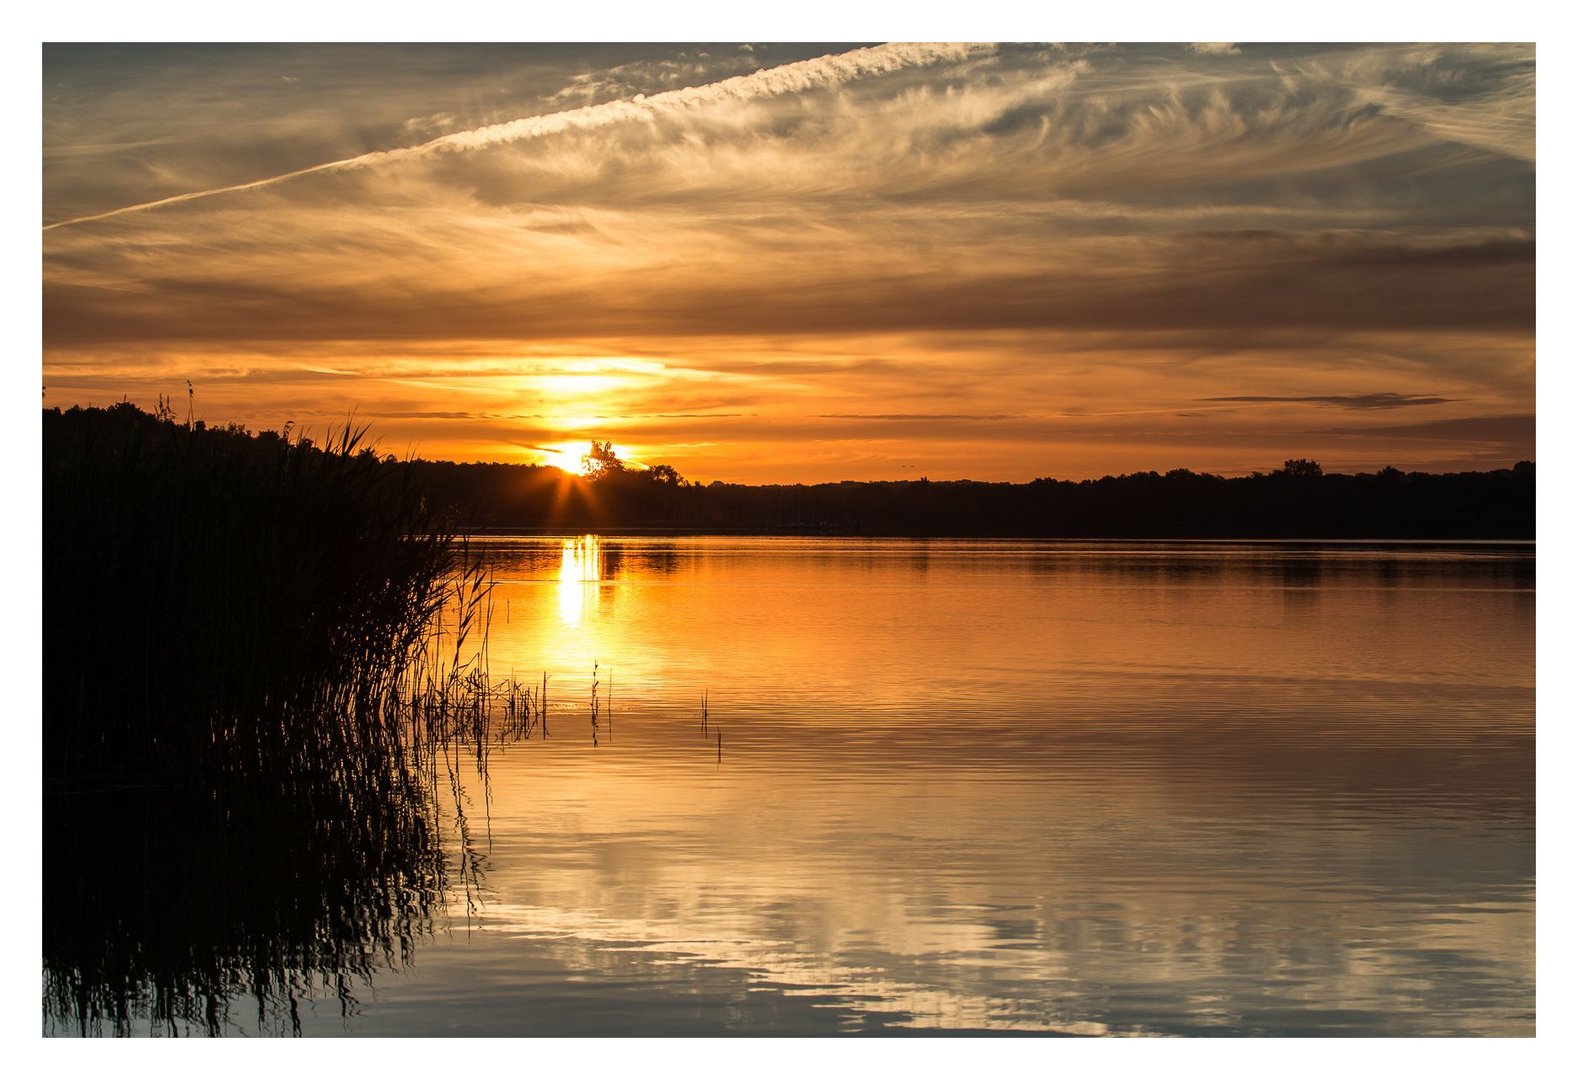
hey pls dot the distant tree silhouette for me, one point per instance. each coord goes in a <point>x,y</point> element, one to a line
<point>601,462</point>
<point>1302,468</point>
<point>1300,499</point>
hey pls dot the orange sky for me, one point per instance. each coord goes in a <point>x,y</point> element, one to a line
<point>772,262</point>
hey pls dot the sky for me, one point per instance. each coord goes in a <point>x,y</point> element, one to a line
<point>780,263</point>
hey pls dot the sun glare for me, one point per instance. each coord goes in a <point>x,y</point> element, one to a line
<point>567,456</point>
<point>575,385</point>
<point>571,457</point>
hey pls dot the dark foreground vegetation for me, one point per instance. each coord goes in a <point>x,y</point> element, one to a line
<point>259,657</point>
<point>206,590</point>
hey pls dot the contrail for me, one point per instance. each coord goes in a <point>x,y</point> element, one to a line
<point>832,70</point>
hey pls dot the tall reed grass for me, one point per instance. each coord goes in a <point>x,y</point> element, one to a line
<point>217,599</point>
<point>263,663</point>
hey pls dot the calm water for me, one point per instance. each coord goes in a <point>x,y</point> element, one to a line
<point>990,786</point>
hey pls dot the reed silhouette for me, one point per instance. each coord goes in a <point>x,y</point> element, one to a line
<point>166,905</point>
<point>264,670</point>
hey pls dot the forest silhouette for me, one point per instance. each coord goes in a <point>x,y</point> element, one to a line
<point>1297,500</point>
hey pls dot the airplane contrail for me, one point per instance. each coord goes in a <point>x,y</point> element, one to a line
<point>834,69</point>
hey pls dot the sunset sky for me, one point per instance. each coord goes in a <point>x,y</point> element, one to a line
<point>778,262</point>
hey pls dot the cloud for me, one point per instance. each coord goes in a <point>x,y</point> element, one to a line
<point>1214,48</point>
<point>917,416</point>
<point>1517,429</point>
<point>652,76</point>
<point>1345,401</point>
<point>823,72</point>
<point>1231,284</point>
<point>1475,95</point>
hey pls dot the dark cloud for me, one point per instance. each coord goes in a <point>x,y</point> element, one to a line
<point>916,416</point>
<point>1344,401</point>
<point>1287,281</point>
<point>1508,429</point>
<point>423,414</point>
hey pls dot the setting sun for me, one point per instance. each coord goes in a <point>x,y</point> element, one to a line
<point>568,457</point>
<point>572,457</point>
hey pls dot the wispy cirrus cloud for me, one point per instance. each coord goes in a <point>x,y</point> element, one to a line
<point>824,71</point>
<point>655,75</point>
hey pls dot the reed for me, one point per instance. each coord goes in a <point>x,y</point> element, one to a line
<point>265,676</point>
<point>213,599</point>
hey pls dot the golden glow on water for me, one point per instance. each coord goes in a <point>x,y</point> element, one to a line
<point>580,569</point>
<point>1122,789</point>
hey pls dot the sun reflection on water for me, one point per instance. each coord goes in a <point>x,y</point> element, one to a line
<point>580,566</point>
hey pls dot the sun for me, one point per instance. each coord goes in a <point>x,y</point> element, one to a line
<point>571,457</point>
<point>567,457</point>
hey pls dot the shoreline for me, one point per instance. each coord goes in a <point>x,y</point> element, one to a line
<point>496,532</point>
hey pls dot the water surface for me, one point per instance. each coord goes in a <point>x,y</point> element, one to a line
<point>970,786</point>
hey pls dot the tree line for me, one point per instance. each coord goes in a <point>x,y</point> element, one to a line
<point>1297,500</point>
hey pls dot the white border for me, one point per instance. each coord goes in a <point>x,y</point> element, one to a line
<point>818,20</point>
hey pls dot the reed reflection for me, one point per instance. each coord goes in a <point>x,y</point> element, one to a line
<point>167,906</point>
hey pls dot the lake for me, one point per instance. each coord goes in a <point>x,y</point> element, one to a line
<point>991,786</point>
